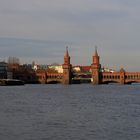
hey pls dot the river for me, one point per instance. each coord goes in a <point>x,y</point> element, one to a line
<point>73,112</point>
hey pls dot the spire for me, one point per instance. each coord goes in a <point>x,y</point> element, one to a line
<point>96,53</point>
<point>67,57</point>
<point>67,53</point>
<point>96,57</point>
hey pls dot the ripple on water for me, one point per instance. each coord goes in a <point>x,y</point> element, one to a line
<point>78,112</point>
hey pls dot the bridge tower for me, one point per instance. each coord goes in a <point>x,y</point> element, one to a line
<point>95,67</point>
<point>122,76</point>
<point>67,68</point>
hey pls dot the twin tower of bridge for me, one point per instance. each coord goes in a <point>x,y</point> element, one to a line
<point>96,75</point>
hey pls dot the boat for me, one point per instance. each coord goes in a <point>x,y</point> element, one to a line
<point>11,82</point>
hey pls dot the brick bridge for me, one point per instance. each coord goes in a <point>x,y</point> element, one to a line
<point>65,77</point>
<point>96,76</point>
<point>121,77</point>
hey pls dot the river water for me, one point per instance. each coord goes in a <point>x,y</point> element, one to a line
<point>73,112</point>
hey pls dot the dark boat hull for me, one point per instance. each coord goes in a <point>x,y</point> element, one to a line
<point>10,82</point>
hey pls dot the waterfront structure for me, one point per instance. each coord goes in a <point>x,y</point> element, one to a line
<point>76,68</point>
<point>57,68</point>
<point>103,77</point>
<point>5,73</point>
<point>67,68</point>
<point>107,70</point>
<point>67,75</point>
<point>95,67</point>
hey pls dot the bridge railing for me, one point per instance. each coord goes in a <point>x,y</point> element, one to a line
<point>110,76</point>
<point>116,77</point>
<point>132,75</point>
<point>54,75</point>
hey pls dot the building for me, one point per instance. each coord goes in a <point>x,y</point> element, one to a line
<point>5,73</point>
<point>56,68</point>
<point>76,68</point>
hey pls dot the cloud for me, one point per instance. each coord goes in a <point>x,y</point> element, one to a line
<point>77,20</point>
<point>41,29</point>
<point>29,48</point>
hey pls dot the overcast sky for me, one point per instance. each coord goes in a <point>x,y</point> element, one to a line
<point>40,30</point>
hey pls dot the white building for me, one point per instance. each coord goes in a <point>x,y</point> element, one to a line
<point>76,68</point>
<point>107,70</point>
<point>58,68</point>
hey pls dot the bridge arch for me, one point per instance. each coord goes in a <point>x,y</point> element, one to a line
<point>54,82</point>
<point>110,81</point>
<point>132,81</point>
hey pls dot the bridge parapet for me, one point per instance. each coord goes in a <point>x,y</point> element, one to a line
<point>107,77</point>
<point>132,77</point>
<point>120,77</point>
<point>54,77</point>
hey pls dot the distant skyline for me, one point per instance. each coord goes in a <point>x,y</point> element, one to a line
<point>40,30</point>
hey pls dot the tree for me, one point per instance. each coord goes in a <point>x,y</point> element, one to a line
<point>13,60</point>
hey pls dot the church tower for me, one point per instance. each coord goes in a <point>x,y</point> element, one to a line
<point>95,67</point>
<point>67,68</point>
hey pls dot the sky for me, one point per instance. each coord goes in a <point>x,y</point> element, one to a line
<point>40,30</point>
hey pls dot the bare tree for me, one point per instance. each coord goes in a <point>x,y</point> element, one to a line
<point>13,60</point>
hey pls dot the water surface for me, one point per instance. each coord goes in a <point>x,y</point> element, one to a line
<point>74,112</point>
